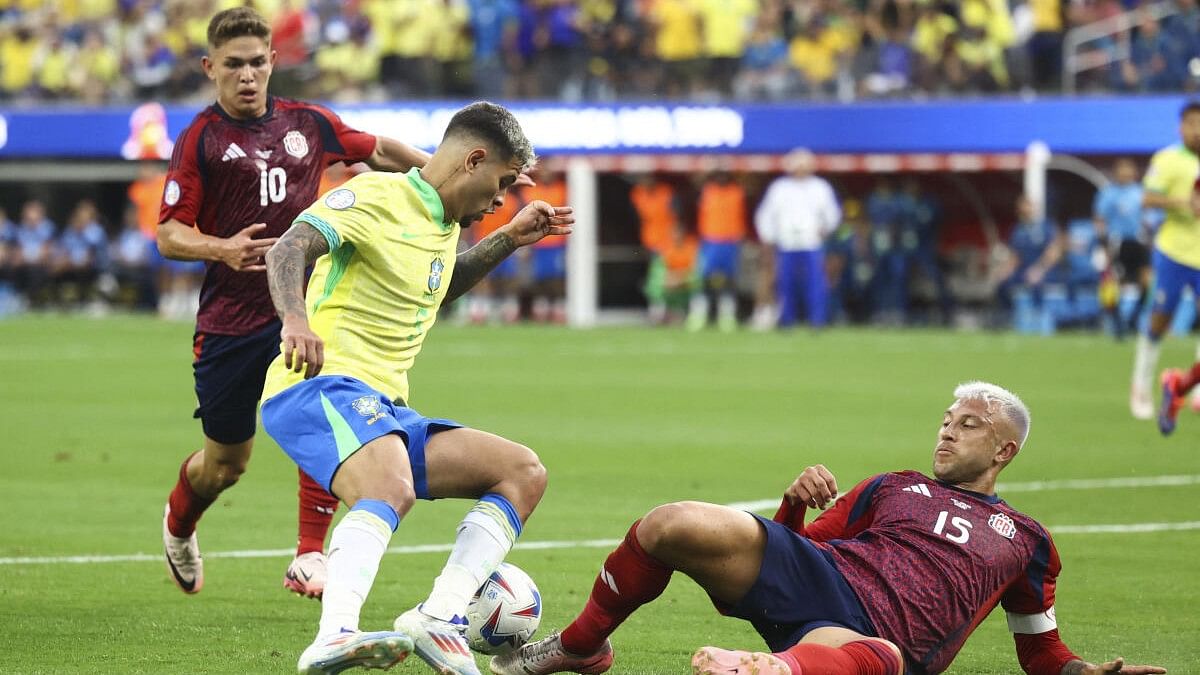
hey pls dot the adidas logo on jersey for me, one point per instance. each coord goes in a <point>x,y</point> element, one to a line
<point>919,488</point>
<point>233,152</point>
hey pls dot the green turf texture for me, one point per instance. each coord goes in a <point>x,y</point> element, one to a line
<point>95,417</point>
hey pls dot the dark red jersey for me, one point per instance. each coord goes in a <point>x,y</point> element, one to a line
<point>930,561</point>
<point>227,174</point>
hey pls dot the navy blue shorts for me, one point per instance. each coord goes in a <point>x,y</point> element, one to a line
<point>229,372</point>
<point>798,590</point>
<point>321,422</point>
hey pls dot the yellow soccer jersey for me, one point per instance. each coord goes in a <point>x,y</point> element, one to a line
<point>1173,172</point>
<point>376,294</point>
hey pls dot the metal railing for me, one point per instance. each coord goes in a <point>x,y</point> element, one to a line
<point>1077,60</point>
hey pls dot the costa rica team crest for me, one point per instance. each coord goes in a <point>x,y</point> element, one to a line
<point>295,144</point>
<point>435,274</point>
<point>1003,525</point>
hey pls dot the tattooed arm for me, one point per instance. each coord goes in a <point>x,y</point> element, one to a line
<point>286,261</point>
<point>537,220</point>
<point>473,264</point>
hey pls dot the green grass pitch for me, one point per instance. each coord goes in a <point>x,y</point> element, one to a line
<point>95,417</point>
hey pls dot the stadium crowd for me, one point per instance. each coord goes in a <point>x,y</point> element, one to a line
<point>101,51</point>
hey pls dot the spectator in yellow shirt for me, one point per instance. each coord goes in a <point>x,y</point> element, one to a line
<point>676,44</point>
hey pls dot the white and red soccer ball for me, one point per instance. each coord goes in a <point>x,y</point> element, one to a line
<point>505,612</point>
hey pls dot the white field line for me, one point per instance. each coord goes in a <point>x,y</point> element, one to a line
<point>759,505</point>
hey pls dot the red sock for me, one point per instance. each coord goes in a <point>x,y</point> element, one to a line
<point>316,514</point>
<point>186,505</point>
<point>864,657</point>
<point>1189,380</point>
<point>630,579</point>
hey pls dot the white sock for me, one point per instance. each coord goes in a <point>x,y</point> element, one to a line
<point>727,306</point>
<point>357,545</point>
<point>1144,363</point>
<point>698,308</point>
<point>485,536</point>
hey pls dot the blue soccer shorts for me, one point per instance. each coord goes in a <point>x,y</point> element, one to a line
<point>549,263</point>
<point>507,269</point>
<point>1170,278</point>
<point>798,590</point>
<point>720,260</point>
<point>321,422</point>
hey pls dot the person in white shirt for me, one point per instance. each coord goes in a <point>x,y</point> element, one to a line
<point>797,214</point>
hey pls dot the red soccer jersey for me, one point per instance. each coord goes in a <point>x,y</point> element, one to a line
<point>227,174</point>
<point>929,561</point>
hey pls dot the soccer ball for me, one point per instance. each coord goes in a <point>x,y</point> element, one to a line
<point>505,612</point>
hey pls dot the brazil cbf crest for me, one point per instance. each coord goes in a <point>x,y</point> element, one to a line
<point>435,274</point>
<point>1003,525</point>
<point>295,144</point>
<point>369,407</point>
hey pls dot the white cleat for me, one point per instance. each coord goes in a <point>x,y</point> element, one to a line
<point>439,643</point>
<point>548,656</point>
<point>183,559</point>
<point>1141,404</point>
<point>333,654</point>
<point>307,575</point>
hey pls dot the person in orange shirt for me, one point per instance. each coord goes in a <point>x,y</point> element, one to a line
<point>721,217</point>
<point>178,280</point>
<point>672,276</point>
<point>497,292</point>
<point>656,205</point>
<point>548,278</point>
<point>655,202</point>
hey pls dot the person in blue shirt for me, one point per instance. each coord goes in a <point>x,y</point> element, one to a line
<point>32,247</point>
<point>8,234</point>
<point>1035,247</point>
<point>132,260</point>
<point>494,25</point>
<point>1121,224</point>
<point>919,240</point>
<point>887,211</point>
<point>81,254</point>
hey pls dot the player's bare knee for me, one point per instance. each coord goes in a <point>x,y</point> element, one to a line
<point>666,527</point>
<point>524,482</point>
<point>225,474</point>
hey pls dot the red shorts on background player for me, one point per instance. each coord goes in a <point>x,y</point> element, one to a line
<point>240,173</point>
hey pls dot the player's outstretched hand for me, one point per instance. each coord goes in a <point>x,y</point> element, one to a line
<point>302,348</point>
<point>1117,665</point>
<point>538,219</point>
<point>814,487</point>
<point>244,253</point>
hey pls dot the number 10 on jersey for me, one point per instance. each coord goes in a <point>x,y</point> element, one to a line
<point>272,185</point>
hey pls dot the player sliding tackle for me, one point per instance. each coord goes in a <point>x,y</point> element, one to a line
<point>335,399</point>
<point>895,576</point>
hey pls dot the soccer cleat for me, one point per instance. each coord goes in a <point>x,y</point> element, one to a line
<point>350,649</point>
<point>1141,405</point>
<point>548,656</point>
<point>183,559</point>
<point>1172,402</point>
<point>439,643</point>
<point>306,575</point>
<point>717,661</point>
